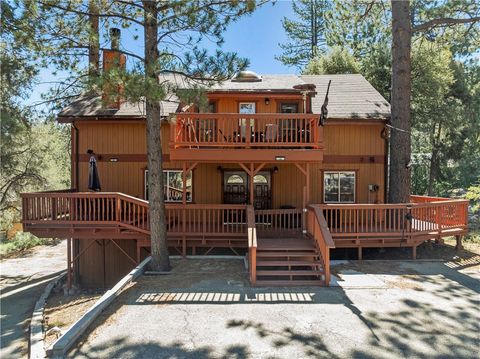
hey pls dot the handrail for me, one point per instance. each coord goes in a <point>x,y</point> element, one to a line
<point>318,230</point>
<point>252,245</point>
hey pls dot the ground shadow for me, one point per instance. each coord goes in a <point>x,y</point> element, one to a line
<point>17,304</point>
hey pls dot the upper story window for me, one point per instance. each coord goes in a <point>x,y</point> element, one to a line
<point>339,186</point>
<point>173,186</point>
<point>212,107</point>
<point>289,108</point>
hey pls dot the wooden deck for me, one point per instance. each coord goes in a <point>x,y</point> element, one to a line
<point>284,245</point>
<point>252,137</point>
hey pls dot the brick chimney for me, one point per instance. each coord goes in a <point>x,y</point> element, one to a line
<point>113,59</point>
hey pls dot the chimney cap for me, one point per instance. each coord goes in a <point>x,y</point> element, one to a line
<point>115,38</point>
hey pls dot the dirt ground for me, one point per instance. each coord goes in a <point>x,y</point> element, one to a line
<point>207,309</point>
<point>62,311</point>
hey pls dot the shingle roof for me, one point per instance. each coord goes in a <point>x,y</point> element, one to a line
<point>88,106</point>
<point>350,97</point>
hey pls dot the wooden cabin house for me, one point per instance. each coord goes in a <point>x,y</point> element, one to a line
<point>255,174</point>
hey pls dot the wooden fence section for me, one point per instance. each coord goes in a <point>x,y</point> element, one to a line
<point>318,230</point>
<point>245,130</point>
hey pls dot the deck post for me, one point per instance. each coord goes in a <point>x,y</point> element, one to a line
<point>69,263</point>
<point>307,182</point>
<point>184,184</point>
<point>252,193</point>
<point>360,254</point>
<point>414,252</point>
<point>459,245</point>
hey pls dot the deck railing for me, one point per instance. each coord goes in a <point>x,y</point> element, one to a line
<point>317,228</point>
<point>272,130</point>
<point>206,219</point>
<point>252,245</point>
<point>274,222</point>
<point>407,220</point>
<point>80,208</point>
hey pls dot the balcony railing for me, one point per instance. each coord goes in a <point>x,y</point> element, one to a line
<point>233,130</point>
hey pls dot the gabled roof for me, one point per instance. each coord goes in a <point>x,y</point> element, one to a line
<point>90,107</point>
<point>350,97</point>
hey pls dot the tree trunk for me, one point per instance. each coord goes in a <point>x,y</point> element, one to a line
<point>158,234</point>
<point>94,40</point>
<point>400,141</point>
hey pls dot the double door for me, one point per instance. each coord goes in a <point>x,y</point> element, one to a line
<point>236,189</point>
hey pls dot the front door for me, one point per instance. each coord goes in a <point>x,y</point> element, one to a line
<point>236,189</point>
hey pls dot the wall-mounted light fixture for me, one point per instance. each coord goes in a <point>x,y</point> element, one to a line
<point>279,158</point>
<point>267,101</point>
<point>113,159</point>
<point>219,168</point>
<point>275,169</point>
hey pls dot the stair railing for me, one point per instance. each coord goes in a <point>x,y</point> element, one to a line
<point>252,245</point>
<point>317,228</point>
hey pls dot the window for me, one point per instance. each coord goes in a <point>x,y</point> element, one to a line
<point>173,186</point>
<point>289,108</point>
<point>339,186</point>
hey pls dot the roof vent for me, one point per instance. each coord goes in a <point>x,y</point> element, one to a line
<point>246,76</point>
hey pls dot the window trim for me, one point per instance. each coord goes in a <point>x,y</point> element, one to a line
<point>339,193</point>
<point>145,184</point>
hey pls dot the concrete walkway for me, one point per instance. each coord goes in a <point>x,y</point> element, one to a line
<point>206,309</point>
<point>22,281</point>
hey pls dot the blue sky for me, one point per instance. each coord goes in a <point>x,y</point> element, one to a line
<point>255,37</point>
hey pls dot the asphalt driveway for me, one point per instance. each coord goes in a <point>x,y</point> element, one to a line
<point>206,309</point>
<point>22,281</point>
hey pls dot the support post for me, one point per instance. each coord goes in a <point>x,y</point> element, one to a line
<point>307,182</point>
<point>459,245</point>
<point>414,252</point>
<point>69,263</point>
<point>252,193</point>
<point>184,184</point>
<point>360,254</point>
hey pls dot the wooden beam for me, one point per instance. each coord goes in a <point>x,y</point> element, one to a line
<point>256,155</point>
<point>299,166</point>
<point>259,168</point>
<point>245,168</point>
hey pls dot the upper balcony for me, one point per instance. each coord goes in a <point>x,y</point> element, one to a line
<point>231,137</point>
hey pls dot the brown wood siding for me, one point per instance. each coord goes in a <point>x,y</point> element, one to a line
<point>230,104</point>
<point>354,142</point>
<point>117,264</point>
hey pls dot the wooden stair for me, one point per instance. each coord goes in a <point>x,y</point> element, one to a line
<point>288,262</point>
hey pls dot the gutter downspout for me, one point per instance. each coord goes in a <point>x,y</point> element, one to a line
<point>75,149</point>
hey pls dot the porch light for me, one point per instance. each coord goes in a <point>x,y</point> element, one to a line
<point>113,159</point>
<point>275,169</point>
<point>279,158</point>
<point>267,101</point>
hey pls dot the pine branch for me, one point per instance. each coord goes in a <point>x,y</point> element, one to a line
<point>442,22</point>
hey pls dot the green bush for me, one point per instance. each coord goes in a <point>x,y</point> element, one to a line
<point>473,194</point>
<point>21,242</point>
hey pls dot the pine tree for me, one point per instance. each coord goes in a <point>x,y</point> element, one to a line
<point>306,35</point>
